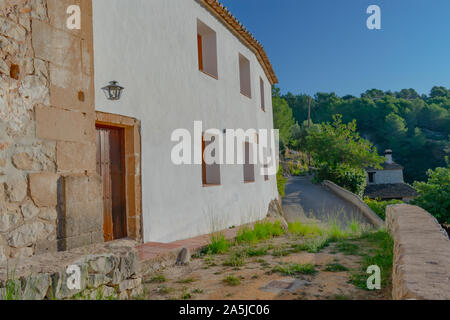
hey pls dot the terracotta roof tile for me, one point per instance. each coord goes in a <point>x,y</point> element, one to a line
<point>239,30</point>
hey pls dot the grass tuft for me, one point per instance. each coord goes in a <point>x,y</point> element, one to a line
<point>218,244</point>
<point>305,230</point>
<point>381,255</point>
<point>157,279</point>
<point>260,231</point>
<point>292,269</point>
<point>235,260</point>
<point>256,252</point>
<point>335,267</point>
<point>312,245</point>
<point>232,280</point>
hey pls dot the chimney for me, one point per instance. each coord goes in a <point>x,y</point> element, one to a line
<point>388,156</point>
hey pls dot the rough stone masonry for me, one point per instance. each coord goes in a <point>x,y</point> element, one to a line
<point>49,190</point>
<point>107,271</point>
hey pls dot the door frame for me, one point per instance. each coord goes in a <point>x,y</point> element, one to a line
<point>132,152</point>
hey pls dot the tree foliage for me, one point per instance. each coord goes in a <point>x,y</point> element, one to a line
<point>341,155</point>
<point>434,195</point>
<point>282,118</point>
<point>339,144</point>
<point>416,127</point>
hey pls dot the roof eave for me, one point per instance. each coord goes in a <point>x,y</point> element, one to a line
<point>238,29</point>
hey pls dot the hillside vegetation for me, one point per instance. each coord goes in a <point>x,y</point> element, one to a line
<point>416,127</point>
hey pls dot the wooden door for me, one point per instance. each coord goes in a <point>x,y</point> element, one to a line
<point>111,167</point>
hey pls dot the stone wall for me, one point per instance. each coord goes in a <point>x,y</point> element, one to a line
<point>107,271</point>
<point>421,254</point>
<point>355,200</point>
<point>47,127</point>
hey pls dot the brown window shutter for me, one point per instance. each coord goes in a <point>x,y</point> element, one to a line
<point>200,52</point>
<point>205,182</point>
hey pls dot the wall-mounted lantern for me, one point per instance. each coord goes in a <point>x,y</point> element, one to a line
<point>113,91</point>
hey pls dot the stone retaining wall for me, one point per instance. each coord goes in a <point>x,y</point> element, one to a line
<point>421,254</point>
<point>47,129</point>
<point>108,271</point>
<point>356,201</point>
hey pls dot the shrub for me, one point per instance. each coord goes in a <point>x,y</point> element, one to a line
<point>379,207</point>
<point>352,179</point>
<point>434,195</point>
<point>295,169</point>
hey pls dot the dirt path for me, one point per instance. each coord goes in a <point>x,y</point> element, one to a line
<point>305,199</point>
<point>253,278</point>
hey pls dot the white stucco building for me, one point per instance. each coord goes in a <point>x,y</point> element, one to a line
<point>179,61</point>
<point>388,183</point>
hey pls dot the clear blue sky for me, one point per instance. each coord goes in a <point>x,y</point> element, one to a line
<point>324,45</point>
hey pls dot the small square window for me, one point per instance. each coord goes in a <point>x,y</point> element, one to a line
<point>371,177</point>
<point>207,49</point>
<point>244,73</point>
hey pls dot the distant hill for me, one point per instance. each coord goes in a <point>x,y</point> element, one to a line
<point>416,127</point>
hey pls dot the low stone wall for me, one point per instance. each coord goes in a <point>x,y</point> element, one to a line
<point>108,271</point>
<point>355,200</point>
<point>421,254</point>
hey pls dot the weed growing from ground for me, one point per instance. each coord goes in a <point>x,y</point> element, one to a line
<point>260,231</point>
<point>235,260</point>
<point>232,280</point>
<point>187,280</point>
<point>312,245</point>
<point>218,244</point>
<point>382,255</point>
<point>256,252</point>
<point>157,279</point>
<point>292,269</point>
<point>347,248</point>
<point>280,252</point>
<point>164,289</point>
<point>335,267</point>
<point>305,230</point>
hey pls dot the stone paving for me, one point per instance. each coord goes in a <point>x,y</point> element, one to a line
<point>155,250</point>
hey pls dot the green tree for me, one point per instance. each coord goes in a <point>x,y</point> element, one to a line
<point>338,143</point>
<point>282,118</point>
<point>341,155</point>
<point>416,127</point>
<point>434,195</point>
